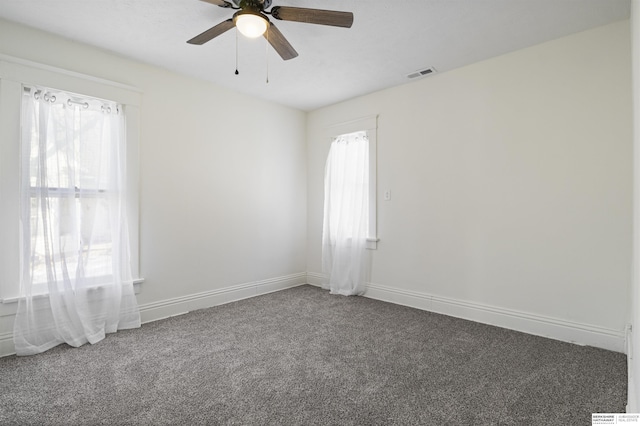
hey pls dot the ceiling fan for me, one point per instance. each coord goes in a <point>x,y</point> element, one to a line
<point>252,21</point>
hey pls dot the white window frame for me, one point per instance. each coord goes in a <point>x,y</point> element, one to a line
<point>14,74</point>
<point>369,125</point>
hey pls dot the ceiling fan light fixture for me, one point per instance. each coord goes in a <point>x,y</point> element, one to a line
<point>250,24</point>
<point>251,21</point>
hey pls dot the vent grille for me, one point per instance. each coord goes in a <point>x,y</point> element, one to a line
<point>422,73</point>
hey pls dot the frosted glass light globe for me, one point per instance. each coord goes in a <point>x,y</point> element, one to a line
<point>251,25</point>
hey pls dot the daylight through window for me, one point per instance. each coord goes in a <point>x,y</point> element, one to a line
<point>71,186</point>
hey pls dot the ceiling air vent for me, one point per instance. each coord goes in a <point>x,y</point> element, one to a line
<point>422,73</point>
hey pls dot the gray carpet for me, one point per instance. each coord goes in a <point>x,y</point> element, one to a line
<point>304,357</point>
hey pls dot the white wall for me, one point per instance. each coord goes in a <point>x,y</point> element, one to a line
<point>633,359</point>
<point>511,183</point>
<point>222,178</point>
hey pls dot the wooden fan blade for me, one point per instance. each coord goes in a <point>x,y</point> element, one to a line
<point>212,32</point>
<point>220,3</point>
<point>313,16</point>
<point>279,43</point>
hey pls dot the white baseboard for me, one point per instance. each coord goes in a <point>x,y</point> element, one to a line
<point>567,331</point>
<point>315,279</point>
<point>553,328</point>
<point>6,344</point>
<point>183,304</point>
<point>632,406</point>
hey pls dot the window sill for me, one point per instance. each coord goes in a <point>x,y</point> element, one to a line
<point>372,243</point>
<point>8,300</point>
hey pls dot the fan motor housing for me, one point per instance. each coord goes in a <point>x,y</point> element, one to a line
<point>253,4</point>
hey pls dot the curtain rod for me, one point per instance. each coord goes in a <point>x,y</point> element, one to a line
<point>72,100</point>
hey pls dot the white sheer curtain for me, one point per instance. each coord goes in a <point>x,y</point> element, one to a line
<point>76,282</point>
<point>346,215</point>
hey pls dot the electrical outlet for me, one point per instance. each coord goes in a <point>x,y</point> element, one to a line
<point>387,195</point>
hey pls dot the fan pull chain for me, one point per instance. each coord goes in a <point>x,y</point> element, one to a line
<point>237,51</point>
<point>266,52</point>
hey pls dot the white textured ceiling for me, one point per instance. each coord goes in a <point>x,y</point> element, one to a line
<point>389,39</point>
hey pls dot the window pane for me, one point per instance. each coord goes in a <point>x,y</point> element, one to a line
<point>80,236</point>
<point>348,185</point>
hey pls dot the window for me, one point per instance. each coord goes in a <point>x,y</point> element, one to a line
<point>15,75</point>
<point>347,187</point>
<point>71,186</point>
<point>363,130</point>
